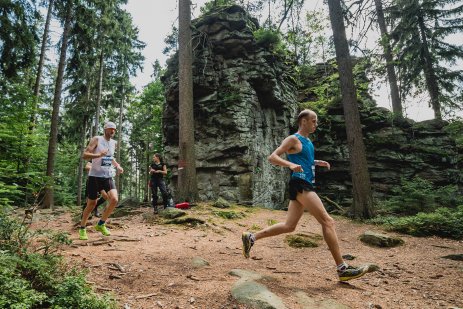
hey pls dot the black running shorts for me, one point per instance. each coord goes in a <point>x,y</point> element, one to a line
<point>298,185</point>
<point>96,184</point>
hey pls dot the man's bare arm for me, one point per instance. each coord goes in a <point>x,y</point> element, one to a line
<point>119,168</point>
<point>288,144</point>
<point>88,152</point>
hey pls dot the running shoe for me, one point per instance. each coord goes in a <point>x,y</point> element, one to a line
<point>102,228</point>
<point>83,234</point>
<point>248,242</point>
<point>352,273</point>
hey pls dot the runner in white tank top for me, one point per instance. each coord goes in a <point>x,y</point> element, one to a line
<point>101,151</point>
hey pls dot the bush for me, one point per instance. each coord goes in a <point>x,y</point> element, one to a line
<point>269,39</point>
<point>15,291</point>
<point>35,277</point>
<point>75,292</point>
<point>443,222</point>
<point>419,195</point>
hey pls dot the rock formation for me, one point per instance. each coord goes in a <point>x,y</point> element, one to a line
<point>244,102</point>
<point>395,150</point>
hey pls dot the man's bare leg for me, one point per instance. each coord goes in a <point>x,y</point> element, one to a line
<point>314,205</point>
<point>295,211</point>
<point>113,199</point>
<point>86,213</point>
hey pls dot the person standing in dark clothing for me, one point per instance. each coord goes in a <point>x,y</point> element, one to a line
<point>157,171</point>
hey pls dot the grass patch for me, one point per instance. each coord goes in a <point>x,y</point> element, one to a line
<point>221,203</point>
<point>186,220</point>
<point>271,222</point>
<point>229,214</point>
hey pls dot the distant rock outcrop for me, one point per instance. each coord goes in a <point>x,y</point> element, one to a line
<point>395,150</point>
<point>244,104</point>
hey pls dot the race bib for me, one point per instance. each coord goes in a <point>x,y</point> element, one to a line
<point>106,162</point>
<point>299,175</point>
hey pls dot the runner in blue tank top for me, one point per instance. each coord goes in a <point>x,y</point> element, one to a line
<point>301,162</point>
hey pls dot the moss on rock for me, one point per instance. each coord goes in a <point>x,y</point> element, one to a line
<point>303,240</point>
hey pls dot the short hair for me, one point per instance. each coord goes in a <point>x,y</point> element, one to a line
<point>304,113</point>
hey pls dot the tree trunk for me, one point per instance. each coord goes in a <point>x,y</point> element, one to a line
<point>38,78</point>
<point>99,93</point>
<point>187,185</point>
<point>49,189</point>
<point>43,50</point>
<point>392,77</point>
<point>429,74</point>
<point>137,176</point>
<point>147,177</point>
<point>80,172</point>
<point>288,4</point>
<point>362,198</point>
<point>119,143</point>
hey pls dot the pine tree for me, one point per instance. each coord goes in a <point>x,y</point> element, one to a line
<point>187,185</point>
<point>420,30</point>
<point>52,144</point>
<point>391,74</point>
<point>362,197</point>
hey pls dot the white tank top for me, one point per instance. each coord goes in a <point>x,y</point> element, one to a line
<point>102,167</point>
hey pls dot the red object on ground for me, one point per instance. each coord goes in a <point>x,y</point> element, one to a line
<point>184,205</point>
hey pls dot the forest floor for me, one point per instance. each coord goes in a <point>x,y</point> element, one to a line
<point>146,263</point>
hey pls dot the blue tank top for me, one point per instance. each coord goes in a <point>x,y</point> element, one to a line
<point>305,158</point>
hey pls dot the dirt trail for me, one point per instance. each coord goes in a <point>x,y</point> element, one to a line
<point>146,264</point>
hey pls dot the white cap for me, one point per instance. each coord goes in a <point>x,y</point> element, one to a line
<point>110,125</point>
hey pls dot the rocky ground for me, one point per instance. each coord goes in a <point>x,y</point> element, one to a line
<point>147,263</point>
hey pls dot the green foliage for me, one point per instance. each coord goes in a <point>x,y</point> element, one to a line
<point>229,214</point>
<point>228,95</point>
<point>8,193</point>
<point>18,36</point>
<point>420,36</point>
<point>65,173</point>
<point>419,195</point>
<point>171,42</point>
<point>308,41</point>
<point>423,210</point>
<point>22,154</point>
<point>455,128</point>
<point>443,222</point>
<point>323,93</point>
<point>213,4</point>
<point>270,39</point>
<point>145,116</point>
<point>75,292</point>
<point>32,276</point>
<point>16,291</point>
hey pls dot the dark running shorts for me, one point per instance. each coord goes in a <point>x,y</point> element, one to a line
<point>297,185</point>
<point>96,184</point>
